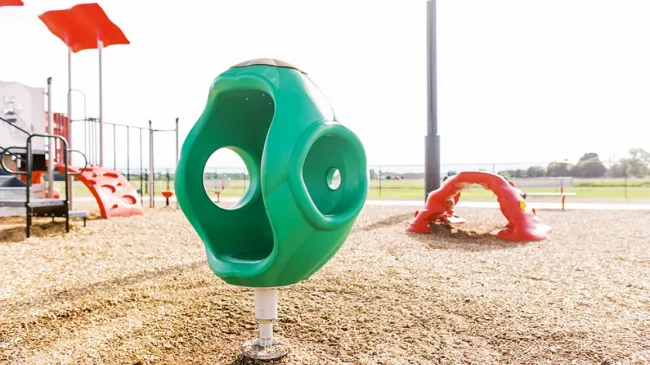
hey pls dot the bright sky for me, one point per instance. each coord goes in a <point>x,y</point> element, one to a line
<point>519,80</point>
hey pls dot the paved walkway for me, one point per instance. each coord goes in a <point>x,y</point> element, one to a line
<point>420,204</point>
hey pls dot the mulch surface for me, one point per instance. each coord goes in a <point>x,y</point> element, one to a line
<point>139,291</point>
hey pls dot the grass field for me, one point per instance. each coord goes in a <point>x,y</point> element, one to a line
<point>414,189</point>
<point>587,189</point>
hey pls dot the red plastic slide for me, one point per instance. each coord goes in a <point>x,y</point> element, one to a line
<point>113,192</point>
<point>523,225</point>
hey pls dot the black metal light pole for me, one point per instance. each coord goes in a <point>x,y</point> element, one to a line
<point>432,139</point>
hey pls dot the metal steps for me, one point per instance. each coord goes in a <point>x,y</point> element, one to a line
<point>29,199</point>
<point>33,203</point>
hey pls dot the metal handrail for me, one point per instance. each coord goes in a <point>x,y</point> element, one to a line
<point>3,151</point>
<point>13,125</point>
<point>86,164</point>
<point>2,161</point>
<point>30,164</point>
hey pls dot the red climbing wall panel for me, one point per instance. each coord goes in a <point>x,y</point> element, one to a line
<point>113,192</point>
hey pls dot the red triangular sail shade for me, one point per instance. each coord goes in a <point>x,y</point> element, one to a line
<point>81,26</point>
<point>11,3</point>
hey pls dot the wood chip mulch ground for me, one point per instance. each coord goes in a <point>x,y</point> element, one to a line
<point>139,291</point>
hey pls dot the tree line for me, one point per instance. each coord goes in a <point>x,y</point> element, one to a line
<point>636,164</point>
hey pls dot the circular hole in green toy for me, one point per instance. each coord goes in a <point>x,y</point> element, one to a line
<point>334,178</point>
<point>225,178</point>
<point>332,174</point>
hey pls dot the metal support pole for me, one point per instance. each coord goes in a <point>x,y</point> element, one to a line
<point>86,136</point>
<point>141,168</point>
<point>50,141</point>
<point>266,347</point>
<point>432,139</point>
<point>151,170</point>
<point>100,47</point>
<point>128,156</point>
<point>68,155</point>
<point>89,136</point>
<point>85,120</point>
<point>177,157</point>
<point>114,147</point>
<point>93,141</point>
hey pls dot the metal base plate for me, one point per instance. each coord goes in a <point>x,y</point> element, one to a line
<point>253,350</point>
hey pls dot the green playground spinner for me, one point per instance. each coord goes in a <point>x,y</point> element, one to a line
<point>290,221</point>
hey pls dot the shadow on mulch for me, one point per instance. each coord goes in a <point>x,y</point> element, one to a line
<point>387,222</point>
<point>122,281</point>
<point>243,360</point>
<point>17,233</point>
<point>452,238</point>
<point>41,228</point>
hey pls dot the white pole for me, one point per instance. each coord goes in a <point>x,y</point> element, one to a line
<point>51,141</point>
<point>177,158</point>
<point>266,311</point>
<point>151,172</point>
<point>70,179</point>
<point>266,347</point>
<point>114,147</point>
<point>100,47</point>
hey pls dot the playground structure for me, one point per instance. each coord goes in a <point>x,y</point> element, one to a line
<point>83,27</point>
<point>25,154</point>
<point>523,224</point>
<point>115,195</point>
<point>291,220</point>
<point>113,192</point>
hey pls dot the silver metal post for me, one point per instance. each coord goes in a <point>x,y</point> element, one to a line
<point>100,47</point>
<point>95,142</point>
<point>266,347</point>
<point>432,139</point>
<point>141,167</point>
<point>151,171</point>
<point>69,97</point>
<point>85,120</point>
<point>114,147</point>
<point>70,178</point>
<point>50,141</point>
<point>128,148</point>
<point>177,158</point>
<point>91,141</point>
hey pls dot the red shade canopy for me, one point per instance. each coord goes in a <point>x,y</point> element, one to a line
<point>81,26</point>
<point>11,3</point>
